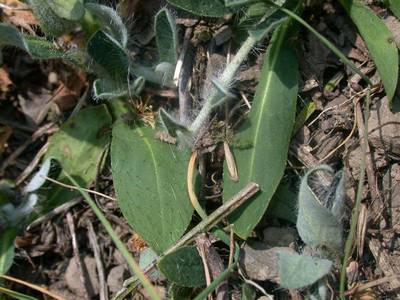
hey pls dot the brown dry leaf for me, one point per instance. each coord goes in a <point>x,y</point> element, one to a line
<point>19,15</point>
<point>5,80</point>
<point>137,243</point>
<point>5,133</point>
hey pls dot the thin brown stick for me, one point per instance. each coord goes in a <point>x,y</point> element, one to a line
<point>35,287</point>
<point>58,210</point>
<point>83,189</point>
<point>231,245</point>
<point>77,255</point>
<point>46,129</point>
<point>103,291</point>
<point>32,165</point>
<point>371,284</point>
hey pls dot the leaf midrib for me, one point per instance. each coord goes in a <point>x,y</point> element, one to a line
<point>269,82</point>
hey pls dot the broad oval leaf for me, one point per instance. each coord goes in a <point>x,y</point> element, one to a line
<point>149,179</point>
<point>7,237</point>
<point>263,142</point>
<point>109,55</point>
<point>111,22</point>
<point>183,267</point>
<point>165,30</point>
<point>50,22</point>
<point>298,271</point>
<point>68,9</point>
<point>207,8</point>
<point>394,6</point>
<point>78,146</point>
<point>380,43</point>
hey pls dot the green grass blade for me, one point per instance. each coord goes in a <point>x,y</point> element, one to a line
<point>380,43</point>
<point>15,295</point>
<point>118,243</point>
<point>267,133</point>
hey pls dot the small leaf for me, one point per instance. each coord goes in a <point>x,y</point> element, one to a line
<point>318,225</point>
<point>248,293</point>
<point>298,271</point>
<point>147,256</point>
<point>380,43</point>
<point>109,55</point>
<point>165,29</point>
<point>7,237</point>
<point>36,47</point>
<point>106,89</point>
<point>267,24</point>
<point>68,9</point>
<point>50,22</point>
<point>149,179</point>
<point>170,124</point>
<point>267,133</point>
<point>283,204</point>
<point>78,147</point>
<point>183,267</point>
<point>111,22</point>
<point>206,8</point>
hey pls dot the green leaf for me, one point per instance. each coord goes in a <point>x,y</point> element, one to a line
<point>267,133</point>
<point>50,22</point>
<point>206,8</point>
<point>248,293</point>
<point>298,271</point>
<point>379,41</point>
<point>165,29</point>
<point>394,6</point>
<point>36,47</point>
<point>7,237</point>
<point>170,124</point>
<point>283,204</point>
<point>147,256</point>
<point>78,146</point>
<point>15,295</point>
<point>149,179</point>
<point>111,22</point>
<point>319,219</point>
<point>109,55</point>
<point>183,267</point>
<point>68,9</point>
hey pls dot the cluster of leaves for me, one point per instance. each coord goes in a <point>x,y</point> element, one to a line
<point>148,174</point>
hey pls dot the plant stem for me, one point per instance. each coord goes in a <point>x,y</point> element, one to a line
<point>118,243</point>
<point>327,43</point>
<point>225,79</point>
<point>356,210</point>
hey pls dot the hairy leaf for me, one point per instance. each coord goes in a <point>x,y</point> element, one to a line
<point>51,23</point>
<point>149,183</point>
<point>319,220</point>
<point>68,9</point>
<point>183,267</point>
<point>36,47</point>
<point>7,237</point>
<point>379,41</point>
<point>165,29</point>
<point>298,271</point>
<point>78,146</point>
<point>109,55</point>
<point>111,22</point>
<point>263,141</point>
<point>207,8</point>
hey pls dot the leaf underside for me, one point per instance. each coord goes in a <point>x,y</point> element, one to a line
<point>7,237</point>
<point>263,142</point>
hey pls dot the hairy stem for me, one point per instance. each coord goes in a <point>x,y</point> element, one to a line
<point>225,79</point>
